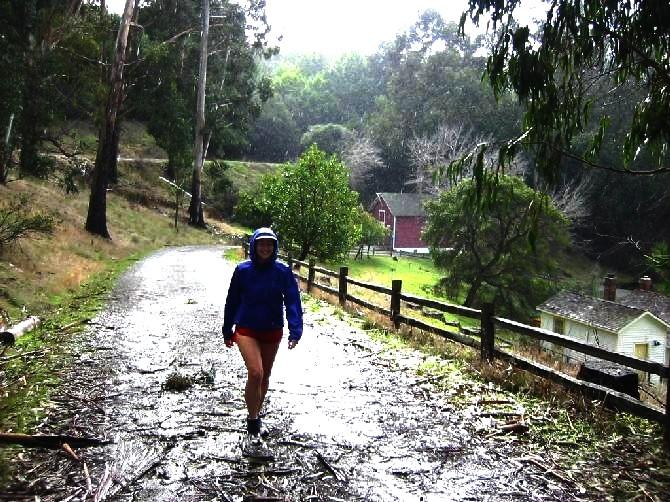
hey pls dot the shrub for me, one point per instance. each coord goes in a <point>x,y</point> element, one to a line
<point>18,221</point>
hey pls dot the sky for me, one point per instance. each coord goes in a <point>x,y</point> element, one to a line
<point>334,27</point>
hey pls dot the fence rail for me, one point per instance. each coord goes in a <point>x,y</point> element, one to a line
<point>486,343</point>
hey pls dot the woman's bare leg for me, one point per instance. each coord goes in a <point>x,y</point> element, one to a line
<point>253,392</point>
<point>268,353</point>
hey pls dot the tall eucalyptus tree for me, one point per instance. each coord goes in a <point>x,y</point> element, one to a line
<point>195,213</point>
<point>96,220</point>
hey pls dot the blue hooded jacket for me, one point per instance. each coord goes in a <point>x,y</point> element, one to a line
<point>258,293</point>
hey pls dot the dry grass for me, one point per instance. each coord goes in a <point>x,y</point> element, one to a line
<point>36,271</point>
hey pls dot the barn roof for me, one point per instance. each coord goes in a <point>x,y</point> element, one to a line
<point>405,204</point>
<point>611,316</point>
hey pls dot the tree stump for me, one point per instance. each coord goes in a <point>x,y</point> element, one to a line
<point>611,375</point>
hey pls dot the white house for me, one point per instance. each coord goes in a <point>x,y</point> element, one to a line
<point>636,324</point>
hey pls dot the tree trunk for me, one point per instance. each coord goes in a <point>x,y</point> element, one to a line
<point>116,138</point>
<point>196,217</point>
<point>304,251</point>
<point>472,293</point>
<point>114,152</point>
<point>96,221</point>
<point>6,152</point>
<point>30,120</point>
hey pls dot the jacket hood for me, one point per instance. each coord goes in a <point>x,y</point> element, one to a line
<point>263,233</point>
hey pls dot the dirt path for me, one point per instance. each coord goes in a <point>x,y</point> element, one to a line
<point>347,419</point>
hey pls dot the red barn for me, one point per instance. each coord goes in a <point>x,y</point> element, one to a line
<point>404,215</point>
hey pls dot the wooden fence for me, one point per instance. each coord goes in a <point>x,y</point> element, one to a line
<point>484,340</point>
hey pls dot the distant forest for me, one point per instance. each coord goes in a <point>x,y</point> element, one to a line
<point>397,118</point>
<point>403,114</point>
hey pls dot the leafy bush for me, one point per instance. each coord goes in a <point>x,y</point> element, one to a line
<point>18,221</point>
<point>330,138</point>
<point>218,190</point>
<point>309,204</point>
<point>74,174</point>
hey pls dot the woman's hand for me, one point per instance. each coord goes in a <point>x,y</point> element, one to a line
<point>292,344</point>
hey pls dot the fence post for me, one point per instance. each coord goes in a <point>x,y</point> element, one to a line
<point>245,247</point>
<point>396,288</point>
<point>310,274</point>
<point>344,271</point>
<point>289,262</point>
<point>487,332</point>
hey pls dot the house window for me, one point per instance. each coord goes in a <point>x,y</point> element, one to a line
<point>382,215</point>
<point>558,326</point>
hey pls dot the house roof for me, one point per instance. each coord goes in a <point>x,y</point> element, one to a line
<point>656,303</point>
<point>405,204</point>
<point>611,316</point>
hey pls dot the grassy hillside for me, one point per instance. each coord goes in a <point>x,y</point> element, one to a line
<point>246,175</point>
<point>35,271</point>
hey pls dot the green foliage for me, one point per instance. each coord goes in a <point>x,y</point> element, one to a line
<point>587,55</point>
<point>659,260</point>
<point>309,204</point>
<point>373,232</point>
<point>274,135</point>
<point>46,48</point>
<point>432,77</point>
<point>502,251</point>
<point>235,90</point>
<point>330,138</point>
<point>217,187</point>
<point>307,91</point>
<point>256,208</point>
<point>18,221</point>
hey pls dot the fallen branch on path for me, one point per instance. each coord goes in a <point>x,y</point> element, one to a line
<point>327,465</point>
<point>89,485</point>
<point>23,354</point>
<point>493,401</point>
<point>73,324</point>
<point>547,470</point>
<point>130,458</point>
<point>46,441</point>
<point>273,472</point>
<point>70,452</point>
<point>499,413</point>
<point>295,443</point>
<point>516,427</point>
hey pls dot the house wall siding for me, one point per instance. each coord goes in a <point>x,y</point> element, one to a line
<point>581,332</point>
<point>387,218</point>
<point>644,330</point>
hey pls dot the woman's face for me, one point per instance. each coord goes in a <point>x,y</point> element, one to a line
<point>264,249</point>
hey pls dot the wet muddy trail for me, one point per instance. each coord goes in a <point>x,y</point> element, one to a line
<point>347,419</point>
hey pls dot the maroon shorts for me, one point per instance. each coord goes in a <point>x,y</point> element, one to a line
<point>262,335</point>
